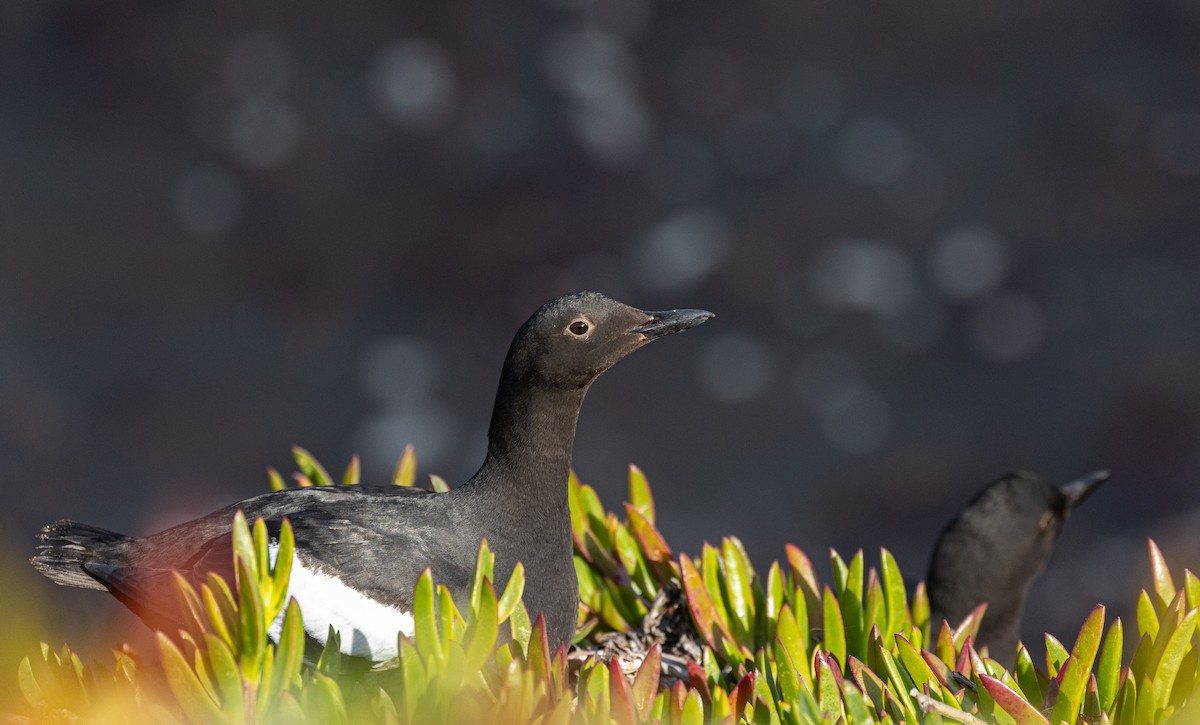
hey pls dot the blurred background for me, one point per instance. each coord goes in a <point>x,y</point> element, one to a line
<point>943,241</point>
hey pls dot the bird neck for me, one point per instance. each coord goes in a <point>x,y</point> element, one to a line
<point>529,443</point>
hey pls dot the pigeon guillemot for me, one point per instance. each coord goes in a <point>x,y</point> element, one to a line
<point>994,549</point>
<point>360,549</point>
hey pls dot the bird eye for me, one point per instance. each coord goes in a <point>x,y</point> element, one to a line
<point>578,327</point>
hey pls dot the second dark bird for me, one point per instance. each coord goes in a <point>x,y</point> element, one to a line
<point>994,549</point>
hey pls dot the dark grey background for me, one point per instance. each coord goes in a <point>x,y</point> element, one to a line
<point>943,241</point>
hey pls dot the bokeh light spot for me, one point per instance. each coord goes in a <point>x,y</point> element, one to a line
<point>682,249</point>
<point>864,275</point>
<point>413,84</point>
<point>968,262</point>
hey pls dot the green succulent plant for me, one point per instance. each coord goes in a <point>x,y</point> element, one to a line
<point>784,648</point>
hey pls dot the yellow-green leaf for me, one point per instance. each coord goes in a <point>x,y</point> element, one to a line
<point>406,468</point>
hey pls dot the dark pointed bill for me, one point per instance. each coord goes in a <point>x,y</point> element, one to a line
<point>669,322</point>
<point>1079,489</point>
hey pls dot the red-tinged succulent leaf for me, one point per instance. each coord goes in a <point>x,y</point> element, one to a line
<point>704,615</point>
<point>639,493</point>
<point>654,546</point>
<point>1051,696</point>
<point>621,707</point>
<point>353,472</point>
<point>698,681</point>
<point>1090,709</point>
<point>558,669</point>
<point>1164,586</point>
<point>645,683</point>
<point>539,652</point>
<point>802,568</point>
<point>969,627</point>
<point>678,696</point>
<point>276,480</point>
<point>963,663</point>
<point>1012,703</point>
<point>302,481</point>
<point>828,686</point>
<point>977,665</point>
<point>742,694</point>
<point>939,669</point>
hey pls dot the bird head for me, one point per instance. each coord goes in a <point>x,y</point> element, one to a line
<point>571,339</point>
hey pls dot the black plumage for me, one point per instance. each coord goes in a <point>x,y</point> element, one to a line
<point>994,549</point>
<point>377,540</point>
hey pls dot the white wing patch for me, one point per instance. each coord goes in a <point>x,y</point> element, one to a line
<point>368,627</point>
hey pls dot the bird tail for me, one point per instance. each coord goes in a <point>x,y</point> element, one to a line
<point>68,545</point>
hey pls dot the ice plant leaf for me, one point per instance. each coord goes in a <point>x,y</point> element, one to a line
<point>480,637</point>
<point>353,472</point>
<point>918,669</point>
<point>704,615</point>
<point>1012,703</point>
<point>406,468</point>
<point>1108,669</point>
<point>275,479</point>
<point>1172,658</point>
<point>737,584</point>
<point>894,592</point>
<point>645,683</point>
<point>437,484</point>
<point>653,545</point>
<point>311,467</point>
<point>1164,586</point>
<point>1074,680</point>
<point>640,497</point>
<point>195,701</point>
<point>425,629</point>
<point>1056,655</point>
<point>835,630</point>
<point>621,707</point>
<point>512,592</point>
<point>969,627</point>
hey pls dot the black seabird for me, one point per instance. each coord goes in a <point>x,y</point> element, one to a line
<point>994,549</point>
<point>360,549</point>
